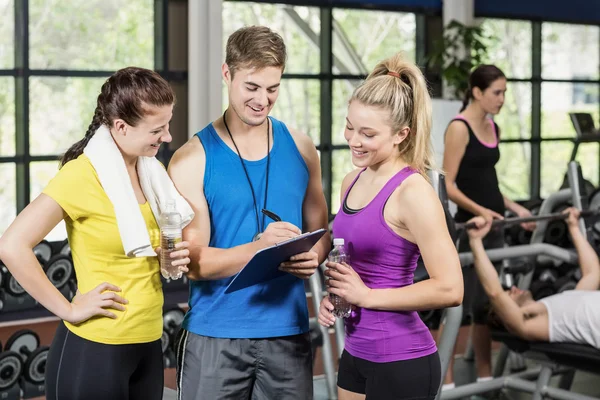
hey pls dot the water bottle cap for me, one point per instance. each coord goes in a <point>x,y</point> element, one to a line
<point>338,242</point>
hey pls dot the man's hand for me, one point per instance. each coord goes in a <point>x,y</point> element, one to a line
<point>277,232</point>
<point>301,265</point>
<point>573,218</point>
<point>482,228</point>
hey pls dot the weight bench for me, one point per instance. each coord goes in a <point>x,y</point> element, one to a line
<point>578,356</point>
<point>554,358</point>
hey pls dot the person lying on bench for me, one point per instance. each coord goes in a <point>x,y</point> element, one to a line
<point>571,316</point>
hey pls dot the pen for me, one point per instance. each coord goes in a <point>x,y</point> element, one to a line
<point>271,215</point>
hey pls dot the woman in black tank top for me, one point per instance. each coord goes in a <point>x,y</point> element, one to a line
<point>470,156</point>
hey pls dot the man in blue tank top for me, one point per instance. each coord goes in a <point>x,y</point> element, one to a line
<point>251,343</point>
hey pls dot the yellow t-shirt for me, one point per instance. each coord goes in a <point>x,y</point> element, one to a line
<point>98,257</point>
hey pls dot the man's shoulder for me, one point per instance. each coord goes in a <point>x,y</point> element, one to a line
<point>191,152</point>
<point>303,142</point>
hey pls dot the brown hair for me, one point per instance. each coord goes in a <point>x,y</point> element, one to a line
<point>124,96</point>
<point>256,47</point>
<point>399,87</point>
<point>481,77</point>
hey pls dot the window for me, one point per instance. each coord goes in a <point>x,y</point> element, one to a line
<point>8,195</point>
<point>60,112</point>
<point>342,90</point>
<point>513,170</point>
<point>341,166</point>
<point>567,80</point>
<point>559,99</point>
<point>298,26</point>
<point>570,51</point>
<point>41,174</point>
<point>7,34</point>
<point>360,38</point>
<point>514,119</point>
<point>298,106</point>
<point>73,47</point>
<point>7,116</point>
<point>511,48</point>
<point>91,34</point>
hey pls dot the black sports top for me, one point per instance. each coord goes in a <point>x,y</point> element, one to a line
<point>476,176</point>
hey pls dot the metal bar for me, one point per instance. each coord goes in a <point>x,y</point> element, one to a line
<point>340,338</point>
<point>312,36</point>
<point>326,102</point>
<point>161,34</point>
<point>500,361</point>
<point>541,382</point>
<point>535,218</point>
<point>528,250</point>
<point>488,386</point>
<point>536,109</point>
<point>574,173</point>
<point>453,318</point>
<point>22,102</point>
<point>327,351</point>
<point>558,394</point>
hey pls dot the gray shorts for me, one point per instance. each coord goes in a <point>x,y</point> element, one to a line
<point>245,369</point>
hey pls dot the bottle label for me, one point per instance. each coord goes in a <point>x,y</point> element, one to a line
<point>168,242</point>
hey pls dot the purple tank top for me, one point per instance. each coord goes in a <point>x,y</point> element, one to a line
<point>383,259</point>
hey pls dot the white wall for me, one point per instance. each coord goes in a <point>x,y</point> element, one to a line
<point>205,57</point>
<point>443,112</point>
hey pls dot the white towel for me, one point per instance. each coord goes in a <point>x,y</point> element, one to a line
<point>107,160</point>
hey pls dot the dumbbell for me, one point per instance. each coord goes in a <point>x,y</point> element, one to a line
<point>26,344</point>
<point>59,270</point>
<point>10,284</point>
<point>565,283</point>
<point>43,252</point>
<point>11,368</point>
<point>57,266</point>
<point>168,350</point>
<point>172,320</point>
<point>65,248</point>
<point>556,230</point>
<point>548,275</point>
<point>541,289</point>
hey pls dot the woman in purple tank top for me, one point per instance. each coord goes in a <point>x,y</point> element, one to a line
<point>390,215</point>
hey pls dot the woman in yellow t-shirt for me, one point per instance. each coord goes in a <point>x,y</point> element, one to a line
<point>109,345</point>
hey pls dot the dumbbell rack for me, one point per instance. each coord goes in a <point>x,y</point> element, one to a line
<point>18,310</point>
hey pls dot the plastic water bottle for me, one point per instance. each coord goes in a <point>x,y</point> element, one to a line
<point>170,235</point>
<point>338,254</point>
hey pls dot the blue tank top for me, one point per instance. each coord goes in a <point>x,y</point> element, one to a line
<point>270,309</point>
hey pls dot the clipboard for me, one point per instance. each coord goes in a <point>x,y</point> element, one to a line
<point>264,266</point>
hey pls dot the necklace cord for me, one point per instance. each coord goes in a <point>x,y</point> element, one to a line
<point>258,225</point>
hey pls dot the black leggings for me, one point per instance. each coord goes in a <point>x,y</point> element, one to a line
<point>81,369</point>
<point>415,379</point>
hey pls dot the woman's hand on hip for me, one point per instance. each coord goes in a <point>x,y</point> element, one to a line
<point>96,302</point>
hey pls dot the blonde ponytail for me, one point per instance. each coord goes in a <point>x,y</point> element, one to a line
<point>399,86</point>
